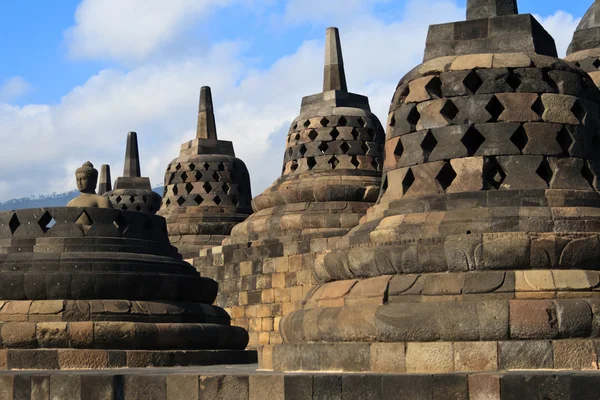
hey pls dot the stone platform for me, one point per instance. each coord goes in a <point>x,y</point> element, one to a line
<point>245,382</point>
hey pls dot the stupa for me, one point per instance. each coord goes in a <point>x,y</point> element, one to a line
<point>331,175</point>
<point>105,184</point>
<point>584,50</point>
<point>207,189</point>
<point>92,287</point>
<point>132,191</point>
<point>481,254</point>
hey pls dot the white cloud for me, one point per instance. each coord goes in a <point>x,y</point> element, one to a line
<point>131,30</point>
<point>13,88</point>
<point>561,26</point>
<point>158,98</point>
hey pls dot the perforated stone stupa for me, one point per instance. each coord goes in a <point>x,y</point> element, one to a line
<point>132,191</point>
<point>481,253</point>
<point>584,50</point>
<point>207,189</point>
<point>331,175</point>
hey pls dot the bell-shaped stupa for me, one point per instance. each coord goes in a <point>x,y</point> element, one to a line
<point>207,189</point>
<point>132,191</point>
<point>482,251</point>
<point>331,168</point>
<point>584,50</point>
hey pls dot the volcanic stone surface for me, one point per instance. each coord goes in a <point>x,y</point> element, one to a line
<point>132,191</point>
<point>103,279</point>
<point>584,50</point>
<point>481,253</point>
<point>207,189</point>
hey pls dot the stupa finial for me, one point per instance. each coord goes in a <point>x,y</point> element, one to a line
<point>335,77</point>
<point>132,157</point>
<point>207,129</point>
<point>478,9</point>
<point>105,184</point>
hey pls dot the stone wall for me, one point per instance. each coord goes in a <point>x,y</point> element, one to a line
<point>261,283</point>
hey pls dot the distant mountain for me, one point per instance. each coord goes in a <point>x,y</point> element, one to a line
<point>47,200</point>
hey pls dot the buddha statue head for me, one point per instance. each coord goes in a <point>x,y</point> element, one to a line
<point>87,178</point>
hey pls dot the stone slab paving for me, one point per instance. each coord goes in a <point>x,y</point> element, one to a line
<point>246,382</point>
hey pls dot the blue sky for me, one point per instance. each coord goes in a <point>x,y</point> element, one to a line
<point>78,74</point>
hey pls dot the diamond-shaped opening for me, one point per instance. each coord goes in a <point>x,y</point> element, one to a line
<point>198,199</point>
<point>399,150</point>
<point>216,177</point>
<point>184,177</point>
<point>446,176</point>
<point>118,199</point>
<point>192,166</point>
<point>168,202</point>
<point>345,147</point>
<point>587,174</point>
<point>355,161</point>
<point>121,223</point>
<point>545,171</point>
<point>175,191</point>
<point>123,206</point>
<point>290,152</point>
<point>472,82</point>
<point>178,167</point>
<point>564,139</point>
<point>324,122</point>
<point>342,121</point>
<point>225,188</point>
<point>306,123</point>
<point>551,82</point>
<point>334,162</point>
<point>323,147</point>
<point>434,87</point>
<point>180,200</point>
<point>132,199</point>
<point>538,107</point>
<point>472,140</point>
<point>294,166</point>
<point>362,122</point>
<point>513,80</point>
<point>364,147</point>
<point>198,176</point>
<point>217,200</point>
<point>519,138</point>
<point>596,63</point>
<point>207,187</point>
<point>413,117</point>
<point>493,174</point>
<point>297,137</point>
<point>138,207</point>
<point>384,186</point>
<point>206,166</point>
<point>428,144</point>
<point>407,182</point>
<point>355,134</point>
<point>46,221</point>
<point>303,150</point>
<point>334,134</point>
<point>84,222</point>
<point>449,110</point>
<point>495,108</point>
<point>578,111</point>
<point>393,121</point>
<point>375,164</point>
<point>145,199</point>
<point>312,135</point>
<point>295,126</point>
<point>189,187</point>
<point>311,162</point>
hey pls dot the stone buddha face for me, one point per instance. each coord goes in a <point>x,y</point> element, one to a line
<point>87,178</point>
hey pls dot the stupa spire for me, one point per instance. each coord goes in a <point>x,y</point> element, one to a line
<point>478,9</point>
<point>207,129</point>
<point>132,157</point>
<point>335,77</point>
<point>105,184</point>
